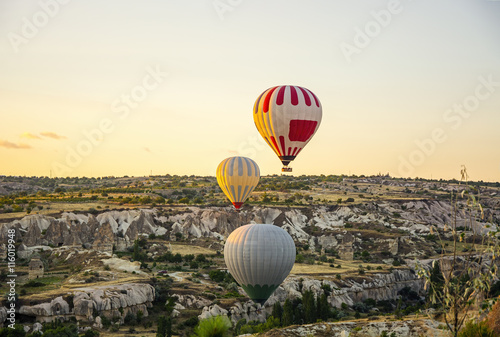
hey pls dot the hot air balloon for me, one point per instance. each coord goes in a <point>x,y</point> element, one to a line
<point>237,177</point>
<point>287,117</point>
<point>259,257</point>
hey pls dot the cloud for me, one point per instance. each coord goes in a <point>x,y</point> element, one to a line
<point>52,135</point>
<point>147,149</point>
<point>29,135</point>
<point>9,145</point>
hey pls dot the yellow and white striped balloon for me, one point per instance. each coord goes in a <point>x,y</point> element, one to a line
<point>237,177</point>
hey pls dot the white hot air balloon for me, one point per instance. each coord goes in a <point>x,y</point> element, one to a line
<point>260,257</point>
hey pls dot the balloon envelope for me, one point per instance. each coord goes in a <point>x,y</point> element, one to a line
<point>237,178</point>
<point>287,117</point>
<point>260,257</point>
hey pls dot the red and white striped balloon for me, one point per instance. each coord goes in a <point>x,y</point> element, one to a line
<point>287,117</point>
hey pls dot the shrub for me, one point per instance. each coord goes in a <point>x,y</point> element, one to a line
<point>33,283</point>
<point>91,333</point>
<point>493,320</point>
<point>106,322</point>
<point>299,258</point>
<point>214,326</point>
<point>472,329</point>
<point>217,275</point>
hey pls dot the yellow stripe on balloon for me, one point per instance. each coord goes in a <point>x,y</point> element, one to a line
<point>237,178</point>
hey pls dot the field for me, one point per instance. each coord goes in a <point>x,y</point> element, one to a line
<point>185,249</point>
<point>346,268</point>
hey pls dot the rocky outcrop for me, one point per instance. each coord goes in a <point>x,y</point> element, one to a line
<point>144,224</point>
<point>319,225</point>
<point>408,328</point>
<point>110,301</point>
<point>3,315</point>
<point>378,287</point>
<point>213,310</point>
<point>191,301</point>
<point>47,312</point>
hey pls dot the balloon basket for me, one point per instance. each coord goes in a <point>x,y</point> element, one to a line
<point>286,169</point>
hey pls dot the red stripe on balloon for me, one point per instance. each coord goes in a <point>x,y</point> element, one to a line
<point>315,98</point>
<point>267,99</point>
<point>283,147</point>
<point>294,152</point>
<point>289,150</point>
<point>294,96</point>
<point>273,140</point>
<point>306,96</point>
<point>281,95</point>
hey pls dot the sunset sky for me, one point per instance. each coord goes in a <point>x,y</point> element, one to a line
<point>122,87</point>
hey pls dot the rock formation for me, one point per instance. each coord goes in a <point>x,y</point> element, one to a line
<point>381,286</point>
<point>85,303</point>
<point>121,228</point>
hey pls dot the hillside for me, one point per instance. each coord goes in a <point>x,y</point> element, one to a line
<point>113,247</point>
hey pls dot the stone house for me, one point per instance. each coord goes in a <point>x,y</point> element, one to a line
<point>35,268</point>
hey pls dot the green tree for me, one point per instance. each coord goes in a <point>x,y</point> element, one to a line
<point>287,313</point>
<point>168,327</point>
<point>277,311</point>
<point>469,274</point>
<point>309,305</point>
<point>136,255</point>
<point>217,275</point>
<point>324,311</point>
<point>161,330</point>
<point>62,331</point>
<point>265,198</point>
<point>18,331</point>
<point>436,279</point>
<point>91,333</point>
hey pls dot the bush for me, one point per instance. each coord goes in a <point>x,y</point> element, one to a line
<point>493,320</point>
<point>91,333</point>
<point>472,329</point>
<point>215,326</point>
<point>33,283</point>
<point>130,319</point>
<point>217,275</point>
<point>299,258</point>
<point>191,322</point>
<point>106,322</point>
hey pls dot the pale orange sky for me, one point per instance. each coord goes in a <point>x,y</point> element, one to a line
<point>89,88</point>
